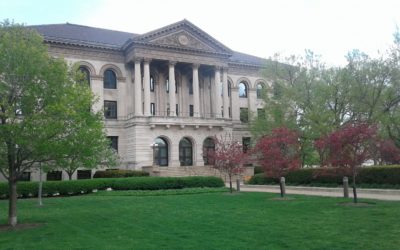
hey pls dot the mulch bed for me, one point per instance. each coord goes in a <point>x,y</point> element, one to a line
<point>282,199</point>
<point>20,226</point>
<point>358,204</point>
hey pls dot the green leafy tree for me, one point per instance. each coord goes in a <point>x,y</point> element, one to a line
<point>40,103</point>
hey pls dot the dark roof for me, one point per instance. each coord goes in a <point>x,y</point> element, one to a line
<point>85,35</point>
<point>243,58</point>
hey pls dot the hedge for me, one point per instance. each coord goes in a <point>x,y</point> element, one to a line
<point>76,187</point>
<point>373,176</point>
<point>119,173</point>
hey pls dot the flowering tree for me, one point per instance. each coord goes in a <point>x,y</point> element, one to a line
<point>278,153</point>
<point>228,157</point>
<point>388,152</point>
<point>347,148</point>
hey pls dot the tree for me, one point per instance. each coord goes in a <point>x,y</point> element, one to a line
<point>278,153</point>
<point>228,157</point>
<point>316,100</point>
<point>40,101</point>
<point>387,152</point>
<point>83,147</point>
<point>348,148</point>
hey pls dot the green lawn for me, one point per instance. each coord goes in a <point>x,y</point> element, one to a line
<point>203,221</point>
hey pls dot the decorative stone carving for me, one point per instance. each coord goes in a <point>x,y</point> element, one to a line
<point>183,39</point>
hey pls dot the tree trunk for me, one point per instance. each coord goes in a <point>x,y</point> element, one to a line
<point>282,186</point>
<point>70,175</point>
<point>40,186</point>
<point>230,183</point>
<point>12,203</point>
<point>354,189</point>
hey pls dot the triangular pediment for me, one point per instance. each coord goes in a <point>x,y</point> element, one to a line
<point>183,35</point>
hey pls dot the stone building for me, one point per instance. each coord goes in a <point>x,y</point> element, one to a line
<point>165,93</point>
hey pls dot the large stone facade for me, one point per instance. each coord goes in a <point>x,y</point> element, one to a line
<point>175,83</point>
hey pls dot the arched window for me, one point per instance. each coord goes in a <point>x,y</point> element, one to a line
<point>110,79</point>
<point>242,90</point>
<point>260,90</point>
<point>229,88</point>
<point>151,83</point>
<point>160,152</point>
<point>86,74</point>
<point>185,152</point>
<point>208,151</point>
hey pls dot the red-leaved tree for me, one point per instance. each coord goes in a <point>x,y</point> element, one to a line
<point>228,157</point>
<point>347,148</point>
<point>278,153</point>
<point>388,152</point>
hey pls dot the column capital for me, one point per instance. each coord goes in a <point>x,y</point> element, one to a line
<point>137,60</point>
<point>195,65</point>
<point>225,68</point>
<point>218,68</point>
<point>147,60</point>
<point>172,63</point>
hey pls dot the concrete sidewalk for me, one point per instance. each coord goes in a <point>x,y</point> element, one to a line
<point>378,194</point>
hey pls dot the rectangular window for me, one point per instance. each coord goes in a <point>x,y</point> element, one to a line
<point>110,109</point>
<point>113,142</point>
<point>167,85</point>
<point>84,174</point>
<point>54,176</point>
<point>191,110</point>
<point>151,84</point>
<point>153,108</point>
<point>230,112</point>
<point>246,142</point>
<point>190,86</point>
<point>261,113</point>
<point>177,109</point>
<point>25,176</point>
<point>244,115</point>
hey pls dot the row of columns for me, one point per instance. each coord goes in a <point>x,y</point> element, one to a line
<point>172,86</point>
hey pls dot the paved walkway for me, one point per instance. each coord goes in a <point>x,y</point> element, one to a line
<point>378,194</point>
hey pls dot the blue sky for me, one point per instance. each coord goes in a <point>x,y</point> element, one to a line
<point>257,27</point>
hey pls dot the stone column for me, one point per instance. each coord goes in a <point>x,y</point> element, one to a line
<point>196,92</point>
<point>172,100</point>
<point>138,88</point>
<point>225,93</point>
<point>217,96</point>
<point>146,87</point>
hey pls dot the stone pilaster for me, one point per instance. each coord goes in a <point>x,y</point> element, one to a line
<point>146,87</point>
<point>138,88</point>
<point>235,109</point>
<point>98,90</point>
<point>172,99</point>
<point>225,93</point>
<point>196,92</point>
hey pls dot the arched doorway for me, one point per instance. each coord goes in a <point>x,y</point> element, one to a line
<point>185,152</point>
<point>160,152</point>
<point>208,151</point>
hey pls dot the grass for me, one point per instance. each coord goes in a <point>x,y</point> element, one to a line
<point>202,221</point>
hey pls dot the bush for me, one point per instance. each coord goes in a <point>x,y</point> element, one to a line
<point>119,173</point>
<point>376,176</point>
<point>76,187</point>
<point>258,170</point>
